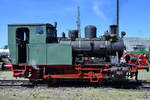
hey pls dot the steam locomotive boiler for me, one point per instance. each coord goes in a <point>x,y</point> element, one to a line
<point>107,46</point>
<point>38,54</point>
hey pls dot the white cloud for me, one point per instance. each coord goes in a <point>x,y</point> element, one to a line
<point>98,12</point>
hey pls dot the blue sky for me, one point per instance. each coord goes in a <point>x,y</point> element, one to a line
<point>134,15</point>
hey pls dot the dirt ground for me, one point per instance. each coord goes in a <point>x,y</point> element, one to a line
<point>72,92</point>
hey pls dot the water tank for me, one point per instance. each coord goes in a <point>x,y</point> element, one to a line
<point>90,31</point>
<point>73,34</point>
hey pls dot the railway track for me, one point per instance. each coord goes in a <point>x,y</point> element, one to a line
<point>25,83</point>
<point>19,83</point>
<point>12,82</point>
<point>145,85</point>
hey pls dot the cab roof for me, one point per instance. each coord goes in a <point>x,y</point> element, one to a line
<point>34,24</point>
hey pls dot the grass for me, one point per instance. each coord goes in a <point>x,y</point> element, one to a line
<point>8,75</point>
<point>73,94</point>
<point>5,72</point>
<point>143,70</point>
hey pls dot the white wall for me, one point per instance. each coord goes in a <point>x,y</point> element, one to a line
<point>131,42</point>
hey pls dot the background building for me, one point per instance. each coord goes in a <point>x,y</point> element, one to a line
<point>132,42</point>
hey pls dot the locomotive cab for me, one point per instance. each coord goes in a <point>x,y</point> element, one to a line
<point>37,44</point>
<point>20,36</point>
